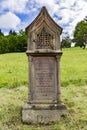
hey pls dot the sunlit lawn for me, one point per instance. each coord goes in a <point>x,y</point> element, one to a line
<point>14,68</point>
<point>14,91</point>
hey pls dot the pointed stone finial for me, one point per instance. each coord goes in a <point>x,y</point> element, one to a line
<point>44,10</point>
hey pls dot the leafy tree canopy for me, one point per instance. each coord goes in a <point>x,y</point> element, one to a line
<point>80,33</point>
<point>12,32</point>
<point>13,42</point>
<point>66,42</point>
<point>1,34</point>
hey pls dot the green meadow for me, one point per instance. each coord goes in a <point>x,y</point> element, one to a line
<point>14,68</point>
<point>74,67</point>
<point>14,91</point>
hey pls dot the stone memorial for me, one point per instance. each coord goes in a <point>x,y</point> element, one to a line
<point>44,52</point>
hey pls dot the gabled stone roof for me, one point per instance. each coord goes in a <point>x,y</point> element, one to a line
<point>44,15</point>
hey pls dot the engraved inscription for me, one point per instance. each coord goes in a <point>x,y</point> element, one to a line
<point>41,118</point>
<point>44,78</point>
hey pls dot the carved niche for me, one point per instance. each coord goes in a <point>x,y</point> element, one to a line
<point>44,39</point>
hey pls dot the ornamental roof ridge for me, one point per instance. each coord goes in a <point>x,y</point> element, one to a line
<point>43,13</point>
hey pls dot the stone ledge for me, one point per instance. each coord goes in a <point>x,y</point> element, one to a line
<point>43,52</point>
<point>33,116</point>
<point>44,106</point>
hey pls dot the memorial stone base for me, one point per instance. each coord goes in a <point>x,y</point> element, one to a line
<point>42,114</point>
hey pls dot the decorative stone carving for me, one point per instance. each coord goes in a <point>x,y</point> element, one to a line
<point>44,40</point>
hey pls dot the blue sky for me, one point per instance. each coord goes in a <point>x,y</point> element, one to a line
<point>17,14</point>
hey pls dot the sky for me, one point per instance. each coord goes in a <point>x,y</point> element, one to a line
<point>18,14</point>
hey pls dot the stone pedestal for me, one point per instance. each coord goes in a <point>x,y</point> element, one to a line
<point>43,114</point>
<point>44,105</point>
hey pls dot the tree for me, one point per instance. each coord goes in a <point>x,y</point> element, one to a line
<point>66,42</point>
<point>80,34</point>
<point>13,42</point>
<point>22,46</point>
<point>1,34</point>
<point>85,19</point>
<point>3,44</point>
<point>12,32</point>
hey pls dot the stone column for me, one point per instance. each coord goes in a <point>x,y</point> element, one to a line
<point>29,79</point>
<point>58,79</point>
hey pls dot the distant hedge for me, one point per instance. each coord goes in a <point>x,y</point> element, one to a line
<point>13,42</point>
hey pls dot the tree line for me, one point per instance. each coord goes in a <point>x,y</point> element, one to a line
<point>13,42</point>
<point>17,42</point>
<point>79,36</point>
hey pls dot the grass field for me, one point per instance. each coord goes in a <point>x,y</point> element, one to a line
<point>75,98</point>
<point>13,70</point>
<point>74,67</point>
<point>13,91</point>
<point>14,66</point>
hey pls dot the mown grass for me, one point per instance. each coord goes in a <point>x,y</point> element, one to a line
<point>74,67</point>
<point>74,97</point>
<point>13,73</point>
<point>14,68</point>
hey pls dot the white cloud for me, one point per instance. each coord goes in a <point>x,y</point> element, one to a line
<point>71,12</point>
<point>9,20</point>
<point>14,5</point>
<point>51,5</point>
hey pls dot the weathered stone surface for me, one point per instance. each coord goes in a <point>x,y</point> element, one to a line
<point>44,54</point>
<point>31,115</point>
<point>44,78</point>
